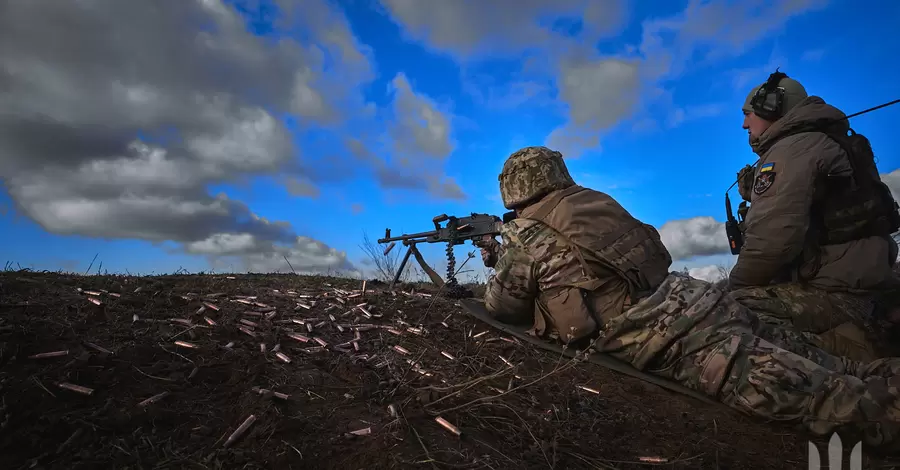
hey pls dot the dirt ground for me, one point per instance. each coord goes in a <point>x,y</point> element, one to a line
<point>159,372</point>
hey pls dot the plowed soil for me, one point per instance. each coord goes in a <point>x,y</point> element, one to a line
<point>159,372</point>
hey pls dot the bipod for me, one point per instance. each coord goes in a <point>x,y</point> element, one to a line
<point>414,250</point>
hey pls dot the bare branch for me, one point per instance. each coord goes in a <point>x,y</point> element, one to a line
<point>385,264</point>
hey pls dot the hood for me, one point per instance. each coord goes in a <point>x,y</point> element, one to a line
<point>812,110</point>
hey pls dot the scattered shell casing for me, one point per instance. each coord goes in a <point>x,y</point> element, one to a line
<point>240,430</point>
<point>283,357</point>
<point>76,388</point>
<point>446,425</point>
<point>153,399</point>
<point>362,432</point>
<point>49,354</point>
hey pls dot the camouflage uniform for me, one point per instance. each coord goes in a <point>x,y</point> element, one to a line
<point>838,322</point>
<point>783,273</point>
<point>685,330</point>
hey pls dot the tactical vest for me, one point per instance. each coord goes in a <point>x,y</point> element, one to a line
<point>855,206</point>
<point>607,237</point>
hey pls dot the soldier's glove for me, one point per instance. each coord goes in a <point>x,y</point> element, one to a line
<point>490,251</point>
<point>745,181</point>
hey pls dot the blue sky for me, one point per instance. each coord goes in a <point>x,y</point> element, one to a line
<point>214,135</point>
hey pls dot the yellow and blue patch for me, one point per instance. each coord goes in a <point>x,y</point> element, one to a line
<point>767,167</point>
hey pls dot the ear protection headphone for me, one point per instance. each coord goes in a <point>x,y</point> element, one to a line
<point>768,101</point>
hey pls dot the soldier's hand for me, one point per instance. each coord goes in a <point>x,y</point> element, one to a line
<point>488,258</point>
<point>490,250</point>
<point>745,181</point>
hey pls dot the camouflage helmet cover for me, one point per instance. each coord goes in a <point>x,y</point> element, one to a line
<point>530,173</point>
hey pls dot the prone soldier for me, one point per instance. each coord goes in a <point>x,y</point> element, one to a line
<point>578,267</point>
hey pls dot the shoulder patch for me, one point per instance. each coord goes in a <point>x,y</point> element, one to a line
<point>767,167</point>
<point>763,182</point>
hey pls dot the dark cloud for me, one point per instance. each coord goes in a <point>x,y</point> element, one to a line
<point>115,115</point>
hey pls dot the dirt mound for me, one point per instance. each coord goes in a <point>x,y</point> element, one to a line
<point>159,372</point>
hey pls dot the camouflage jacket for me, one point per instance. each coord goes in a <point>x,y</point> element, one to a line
<point>571,261</point>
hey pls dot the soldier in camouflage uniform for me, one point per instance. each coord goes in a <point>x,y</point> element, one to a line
<point>818,252</point>
<point>579,267</point>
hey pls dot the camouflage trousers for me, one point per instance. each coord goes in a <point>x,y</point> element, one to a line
<point>695,334</point>
<point>841,323</point>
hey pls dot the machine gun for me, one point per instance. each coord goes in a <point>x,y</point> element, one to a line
<point>457,230</point>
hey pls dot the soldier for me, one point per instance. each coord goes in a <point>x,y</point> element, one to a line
<point>581,268</point>
<point>818,250</point>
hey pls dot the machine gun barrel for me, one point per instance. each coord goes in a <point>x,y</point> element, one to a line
<point>388,238</point>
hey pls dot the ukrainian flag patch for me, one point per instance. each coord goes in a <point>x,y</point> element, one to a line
<point>767,167</point>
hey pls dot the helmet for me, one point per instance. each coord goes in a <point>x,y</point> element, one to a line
<point>530,173</point>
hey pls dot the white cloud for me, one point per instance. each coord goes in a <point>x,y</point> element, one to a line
<point>421,130</point>
<point>492,93</point>
<point>599,94</point>
<point>301,187</point>
<point>223,244</point>
<point>572,142</point>
<point>892,180</point>
<point>419,143</point>
<point>599,90</point>
<point>706,31</point>
<point>304,256</point>
<point>744,78</point>
<point>696,236</point>
<point>709,273</point>
<point>474,29</point>
<point>688,113</point>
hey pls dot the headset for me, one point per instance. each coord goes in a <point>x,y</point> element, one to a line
<point>768,101</point>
